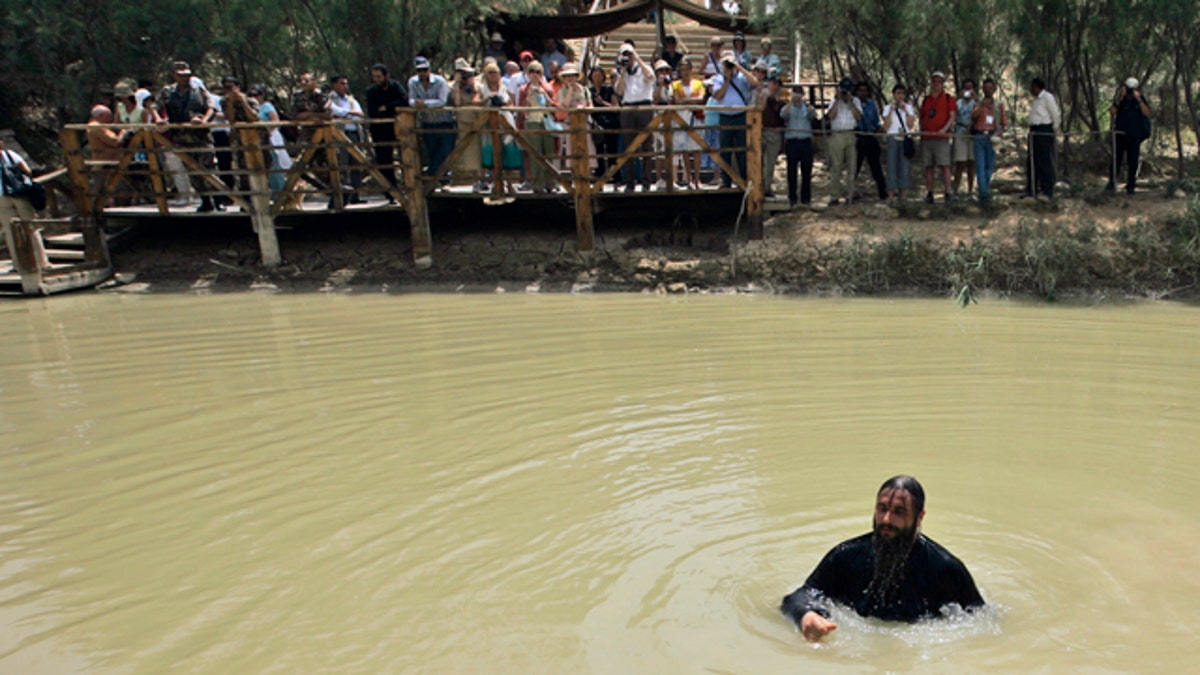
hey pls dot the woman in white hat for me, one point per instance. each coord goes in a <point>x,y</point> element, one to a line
<point>463,91</point>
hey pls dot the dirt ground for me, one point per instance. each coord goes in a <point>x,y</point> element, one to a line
<point>485,250</point>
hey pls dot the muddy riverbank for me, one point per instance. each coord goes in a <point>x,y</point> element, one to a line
<point>1144,246</point>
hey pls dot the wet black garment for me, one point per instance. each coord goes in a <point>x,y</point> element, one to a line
<point>933,578</point>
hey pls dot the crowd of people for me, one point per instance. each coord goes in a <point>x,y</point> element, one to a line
<point>948,137</point>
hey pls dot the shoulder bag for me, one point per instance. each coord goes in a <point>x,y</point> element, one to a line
<point>910,147</point>
<point>19,184</point>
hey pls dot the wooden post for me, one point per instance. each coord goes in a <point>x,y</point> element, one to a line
<point>754,173</point>
<point>261,217</point>
<point>584,223</point>
<point>95,246</point>
<point>77,171</point>
<point>24,239</point>
<point>417,206</point>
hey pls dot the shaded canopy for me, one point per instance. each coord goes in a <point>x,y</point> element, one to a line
<point>607,20</point>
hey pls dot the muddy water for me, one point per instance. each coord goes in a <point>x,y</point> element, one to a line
<point>583,484</point>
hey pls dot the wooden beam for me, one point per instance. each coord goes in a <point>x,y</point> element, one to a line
<point>76,170</point>
<point>156,173</point>
<point>416,206</point>
<point>581,186</point>
<point>260,196</point>
<point>754,173</point>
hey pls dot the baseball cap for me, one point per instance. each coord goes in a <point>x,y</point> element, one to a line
<point>938,73</point>
<point>421,63</point>
<point>181,68</point>
<point>1132,83</point>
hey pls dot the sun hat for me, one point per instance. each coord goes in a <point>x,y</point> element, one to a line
<point>1132,83</point>
<point>496,37</point>
<point>570,68</point>
<point>938,73</point>
<point>462,65</point>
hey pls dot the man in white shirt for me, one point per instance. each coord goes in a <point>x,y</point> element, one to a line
<point>343,106</point>
<point>843,114</point>
<point>635,86</point>
<point>514,78</point>
<point>1045,118</point>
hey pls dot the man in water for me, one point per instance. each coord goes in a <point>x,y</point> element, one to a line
<point>893,573</point>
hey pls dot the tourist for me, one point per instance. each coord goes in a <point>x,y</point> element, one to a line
<point>798,145</point>
<point>771,104</point>
<point>743,56</point>
<point>554,77</point>
<point>551,55</point>
<point>495,48</point>
<point>688,90</point>
<point>385,97</point>
<point>464,92</point>
<point>103,142</point>
<point>899,120</point>
<point>144,93</point>
<point>1045,118</point>
<point>990,119</point>
<point>309,104</point>
<point>893,573</point>
<point>844,113</point>
<point>774,65</point>
<point>343,106</point>
<point>867,143</point>
<point>430,94</point>
<point>1131,122</point>
<point>129,108</point>
<point>281,161</point>
<point>662,98</point>
<point>937,120</point>
<point>712,58</point>
<point>671,53</point>
<point>12,206</point>
<point>732,89</point>
<point>514,75</point>
<point>605,138</point>
<point>635,86</point>
<point>963,150</point>
<point>537,94</point>
<point>493,93</point>
<point>572,95</point>
<point>222,144</point>
<point>183,104</point>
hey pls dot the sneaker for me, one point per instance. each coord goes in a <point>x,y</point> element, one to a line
<point>660,185</point>
<point>928,197</point>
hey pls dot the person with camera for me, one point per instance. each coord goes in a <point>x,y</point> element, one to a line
<point>733,89</point>
<point>1131,122</point>
<point>182,103</point>
<point>798,145</point>
<point>493,93</point>
<point>635,86</point>
<point>899,121</point>
<point>536,93</point>
<point>844,113</point>
<point>990,119</point>
<point>963,149</point>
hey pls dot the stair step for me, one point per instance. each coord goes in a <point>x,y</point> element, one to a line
<point>65,254</point>
<point>69,239</point>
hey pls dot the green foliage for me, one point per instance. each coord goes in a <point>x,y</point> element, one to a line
<point>59,53</point>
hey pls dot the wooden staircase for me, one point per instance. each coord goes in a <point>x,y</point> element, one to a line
<point>694,39</point>
<point>51,256</point>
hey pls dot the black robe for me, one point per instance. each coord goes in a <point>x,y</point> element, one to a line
<point>933,578</point>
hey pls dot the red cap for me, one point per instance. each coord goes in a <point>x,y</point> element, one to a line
<point>525,55</point>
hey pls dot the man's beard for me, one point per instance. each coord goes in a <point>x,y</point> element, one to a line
<point>891,554</point>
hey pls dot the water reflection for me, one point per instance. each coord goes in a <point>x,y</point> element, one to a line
<point>564,484</point>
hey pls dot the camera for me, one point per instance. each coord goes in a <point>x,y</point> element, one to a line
<point>623,60</point>
<point>728,63</point>
<point>496,101</point>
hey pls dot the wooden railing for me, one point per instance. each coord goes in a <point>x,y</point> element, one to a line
<point>136,175</point>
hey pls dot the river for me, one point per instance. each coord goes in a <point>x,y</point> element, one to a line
<point>597,484</point>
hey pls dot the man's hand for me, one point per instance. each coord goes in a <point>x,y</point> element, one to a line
<point>814,626</point>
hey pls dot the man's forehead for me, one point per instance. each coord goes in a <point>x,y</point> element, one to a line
<point>894,497</point>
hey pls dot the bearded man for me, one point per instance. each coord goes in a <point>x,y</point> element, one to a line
<point>893,573</point>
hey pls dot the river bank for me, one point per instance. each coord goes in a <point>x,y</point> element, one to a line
<point>1147,245</point>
